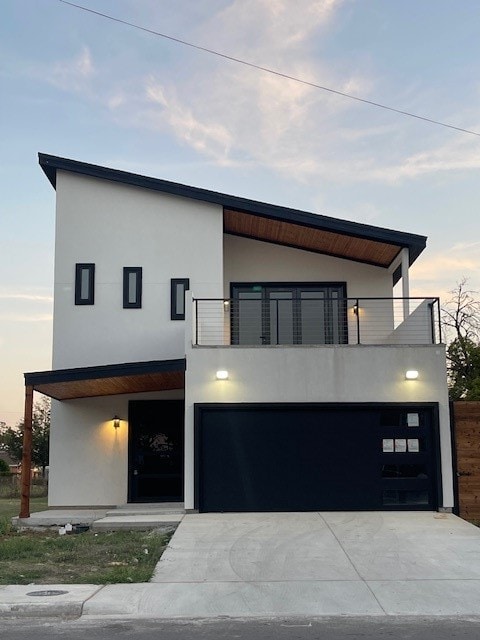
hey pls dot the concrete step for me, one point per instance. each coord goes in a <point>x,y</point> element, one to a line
<point>160,508</point>
<point>139,522</point>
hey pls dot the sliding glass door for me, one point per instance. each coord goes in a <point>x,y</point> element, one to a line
<point>288,314</point>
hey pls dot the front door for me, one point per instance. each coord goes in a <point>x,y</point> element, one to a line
<point>156,450</point>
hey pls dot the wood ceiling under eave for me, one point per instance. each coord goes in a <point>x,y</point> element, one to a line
<point>114,385</point>
<point>309,238</point>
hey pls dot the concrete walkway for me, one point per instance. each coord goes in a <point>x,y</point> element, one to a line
<point>127,517</point>
<point>297,564</point>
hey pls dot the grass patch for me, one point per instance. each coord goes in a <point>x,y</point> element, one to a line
<point>10,507</point>
<point>96,558</point>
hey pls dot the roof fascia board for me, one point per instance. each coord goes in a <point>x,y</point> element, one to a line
<point>104,371</point>
<point>416,243</point>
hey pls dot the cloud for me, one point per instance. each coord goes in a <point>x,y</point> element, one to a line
<point>74,74</point>
<point>461,153</point>
<point>14,317</point>
<point>438,273</point>
<point>233,115</point>
<point>236,115</point>
<point>25,296</point>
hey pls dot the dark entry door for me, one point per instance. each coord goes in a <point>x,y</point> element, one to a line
<point>316,457</point>
<point>156,450</point>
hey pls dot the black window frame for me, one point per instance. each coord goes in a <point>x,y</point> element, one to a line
<point>79,268</point>
<point>267,287</point>
<point>138,288</point>
<point>174,283</point>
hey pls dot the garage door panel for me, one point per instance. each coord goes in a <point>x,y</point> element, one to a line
<point>287,458</point>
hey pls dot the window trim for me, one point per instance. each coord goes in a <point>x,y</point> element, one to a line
<point>138,288</point>
<point>174,283</point>
<point>79,267</point>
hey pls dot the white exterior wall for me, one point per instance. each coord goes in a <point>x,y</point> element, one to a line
<point>248,260</point>
<point>339,374</point>
<point>88,456</point>
<point>115,226</point>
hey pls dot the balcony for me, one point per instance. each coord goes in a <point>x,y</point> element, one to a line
<point>308,319</point>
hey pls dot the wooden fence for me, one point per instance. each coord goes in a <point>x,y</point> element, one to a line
<point>466,421</point>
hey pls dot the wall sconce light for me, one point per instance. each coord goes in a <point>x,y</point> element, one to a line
<point>116,422</point>
<point>226,303</point>
<point>222,375</point>
<point>411,375</point>
<point>355,308</point>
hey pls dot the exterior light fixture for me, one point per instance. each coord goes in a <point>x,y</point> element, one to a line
<point>222,375</point>
<point>355,308</point>
<point>116,422</point>
<point>411,375</point>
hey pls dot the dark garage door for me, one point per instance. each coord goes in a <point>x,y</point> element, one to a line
<point>316,457</point>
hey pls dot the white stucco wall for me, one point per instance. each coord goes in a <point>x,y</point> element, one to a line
<point>88,456</point>
<point>339,374</point>
<point>248,260</point>
<point>115,226</point>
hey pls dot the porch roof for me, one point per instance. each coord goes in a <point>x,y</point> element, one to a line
<point>108,380</point>
<point>268,222</point>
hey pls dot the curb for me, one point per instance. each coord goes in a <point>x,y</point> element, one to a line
<point>42,601</point>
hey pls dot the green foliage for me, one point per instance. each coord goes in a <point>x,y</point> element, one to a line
<point>11,438</point>
<point>464,369</point>
<point>5,526</point>
<point>461,324</point>
<point>4,468</point>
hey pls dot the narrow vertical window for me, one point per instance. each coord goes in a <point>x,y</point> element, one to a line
<point>178,288</point>
<point>132,287</point>
<point>84,283</point>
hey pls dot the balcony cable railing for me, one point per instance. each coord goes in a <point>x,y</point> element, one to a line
<point>315,320</point>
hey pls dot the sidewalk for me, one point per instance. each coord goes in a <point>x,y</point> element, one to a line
<point>304,565</point>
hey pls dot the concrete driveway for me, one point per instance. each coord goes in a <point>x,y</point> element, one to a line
<point>311,564</point>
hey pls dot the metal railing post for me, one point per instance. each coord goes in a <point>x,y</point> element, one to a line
<point>439,321</point>
<point>277,321</point>
<point>195,302</point>
<point>357,313</point>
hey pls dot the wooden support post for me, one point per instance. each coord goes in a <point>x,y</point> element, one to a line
<point>27,453</point>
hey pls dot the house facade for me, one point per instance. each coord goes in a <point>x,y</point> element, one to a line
<point>237,356</point>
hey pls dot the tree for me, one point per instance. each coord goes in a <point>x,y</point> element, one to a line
<point>4,468</point>
<point>461,324</point>
<point>11,438</point>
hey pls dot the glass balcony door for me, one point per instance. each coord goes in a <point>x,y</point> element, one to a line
<point>288,314</point>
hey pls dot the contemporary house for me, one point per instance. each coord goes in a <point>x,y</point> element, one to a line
<point>233,355</point>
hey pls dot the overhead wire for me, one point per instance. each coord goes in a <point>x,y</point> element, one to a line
<point>268,70</point>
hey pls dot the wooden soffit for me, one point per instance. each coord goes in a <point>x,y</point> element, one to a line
<point>109,380</point>
<point>308,238</point>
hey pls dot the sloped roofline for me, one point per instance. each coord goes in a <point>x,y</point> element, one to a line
<point>415,243</point>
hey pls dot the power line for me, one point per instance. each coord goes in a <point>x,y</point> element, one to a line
<point>267,70</point>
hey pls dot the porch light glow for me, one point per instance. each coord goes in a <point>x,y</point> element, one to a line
<point>411,375</point>
<point>222,375</point>
<point>116,422</point>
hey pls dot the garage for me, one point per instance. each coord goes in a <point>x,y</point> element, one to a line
<point>316,457</point>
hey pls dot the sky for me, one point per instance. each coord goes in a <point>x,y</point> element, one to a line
<point>76,85</point>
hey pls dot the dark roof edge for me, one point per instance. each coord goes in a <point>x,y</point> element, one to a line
<point>416,243</point>
<point>104,371</point>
